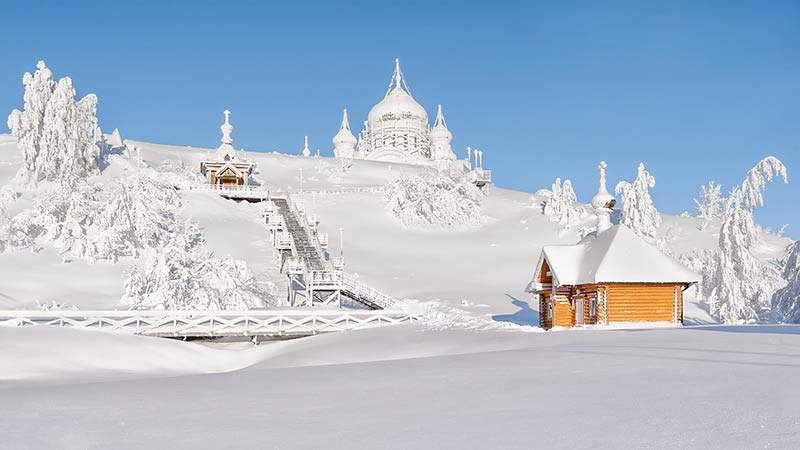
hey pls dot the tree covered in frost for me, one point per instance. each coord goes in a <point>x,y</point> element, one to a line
<point>711,204</point>
<point>561,203</point>
<point>741,287</point>
<point>179,278</point>
<point>7,197</point>
<point>57,134</point>
<point>638,212</point>
<point>94,222</point>
<point>435,199</point>
<point>178,174</point>
<point>786,301</point>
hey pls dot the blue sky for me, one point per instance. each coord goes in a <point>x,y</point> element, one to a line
<point>696,90</point>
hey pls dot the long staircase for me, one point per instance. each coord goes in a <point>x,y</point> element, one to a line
<point>320,280</point>
<point>303,246</point>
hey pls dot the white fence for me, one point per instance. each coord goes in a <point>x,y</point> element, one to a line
<point>341,190</point>
<point>260,192</point>
<point>235,191</point>
<point>204,324</point>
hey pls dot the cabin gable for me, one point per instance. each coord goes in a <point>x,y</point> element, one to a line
<point>545,275</point>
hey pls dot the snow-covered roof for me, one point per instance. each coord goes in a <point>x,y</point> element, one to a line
<point>345,138</point>
<point>398,102</point>
<point>229,166</point>
<point>617,255</point>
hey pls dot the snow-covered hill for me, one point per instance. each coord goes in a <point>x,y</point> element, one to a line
<point>481,269</point>
<point>476,374</point>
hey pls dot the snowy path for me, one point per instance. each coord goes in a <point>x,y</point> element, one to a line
<point>714,388</point>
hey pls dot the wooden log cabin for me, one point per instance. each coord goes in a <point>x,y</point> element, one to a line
<point>613,276</point>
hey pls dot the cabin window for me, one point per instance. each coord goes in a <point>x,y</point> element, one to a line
<point>593,307</point>
<point>549,310</point>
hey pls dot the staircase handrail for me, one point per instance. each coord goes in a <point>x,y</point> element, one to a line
<point>380,299</point>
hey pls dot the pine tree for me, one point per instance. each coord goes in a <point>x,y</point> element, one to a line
<point>179,278</point>
<point>786,301</point>
<point>561,203</point>
<point>435,199</point>
<point>638,212</point>
<point>711,204</point>
<point>742,286</point>
<point>57,135</point>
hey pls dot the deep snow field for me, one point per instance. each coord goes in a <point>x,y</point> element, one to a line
<point>477,374</point>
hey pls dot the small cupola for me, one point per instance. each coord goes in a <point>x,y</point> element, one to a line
<point>603,202</point>
<point>344,143</point>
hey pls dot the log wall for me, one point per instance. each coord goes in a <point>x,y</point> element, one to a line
<point>645,303</point>
<point>618,302</point>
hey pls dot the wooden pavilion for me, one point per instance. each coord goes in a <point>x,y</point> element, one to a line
<point>228,167</point>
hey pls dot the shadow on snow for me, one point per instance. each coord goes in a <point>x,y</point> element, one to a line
<point>525,315</point>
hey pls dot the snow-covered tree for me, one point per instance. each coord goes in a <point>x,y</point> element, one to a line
<point>561,203</point>
<point>741,287</point>
<point>703,263</point>
<point>178,174</point>
<point>180,278</point>
<point>28,125</point>
<point>435,199</point>
<point>786,301</point>
<point>57,135</point>
<point>638,212</point>
<point>94,222</point>
<point>711,204</point>
<point>7,197</point>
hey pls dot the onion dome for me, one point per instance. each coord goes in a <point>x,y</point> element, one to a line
<point>398,102</point>
<point>440,133</point>
<point>306,151</point>
<point>344,138</point>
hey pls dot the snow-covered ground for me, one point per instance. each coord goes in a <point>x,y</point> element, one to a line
<point>409,387</point>
<point>479,375</point>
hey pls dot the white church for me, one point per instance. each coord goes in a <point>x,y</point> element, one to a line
<point>397,130</point>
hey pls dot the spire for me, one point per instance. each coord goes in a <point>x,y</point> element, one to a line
<point>397,82</point>
<point>226,151</point>
<point>602,168</point>
<point>440,118</point>
<point>227,129</point>
<point>306,150</point>
<point>345,122</point>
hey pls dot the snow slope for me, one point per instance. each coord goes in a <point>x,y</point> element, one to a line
<point>476,376</point>
<point>485,268</point>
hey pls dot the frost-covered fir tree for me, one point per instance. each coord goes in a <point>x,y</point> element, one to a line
<point>711,204</point>
<point>741,288</point>
<point>638,212</point>
<point>786,301</point>
<point>57,134</point>
<point>180,278</point>
<point>435,199</point>
<point>98,223</point>
<point>560,203</point>
<point>7,197</point>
